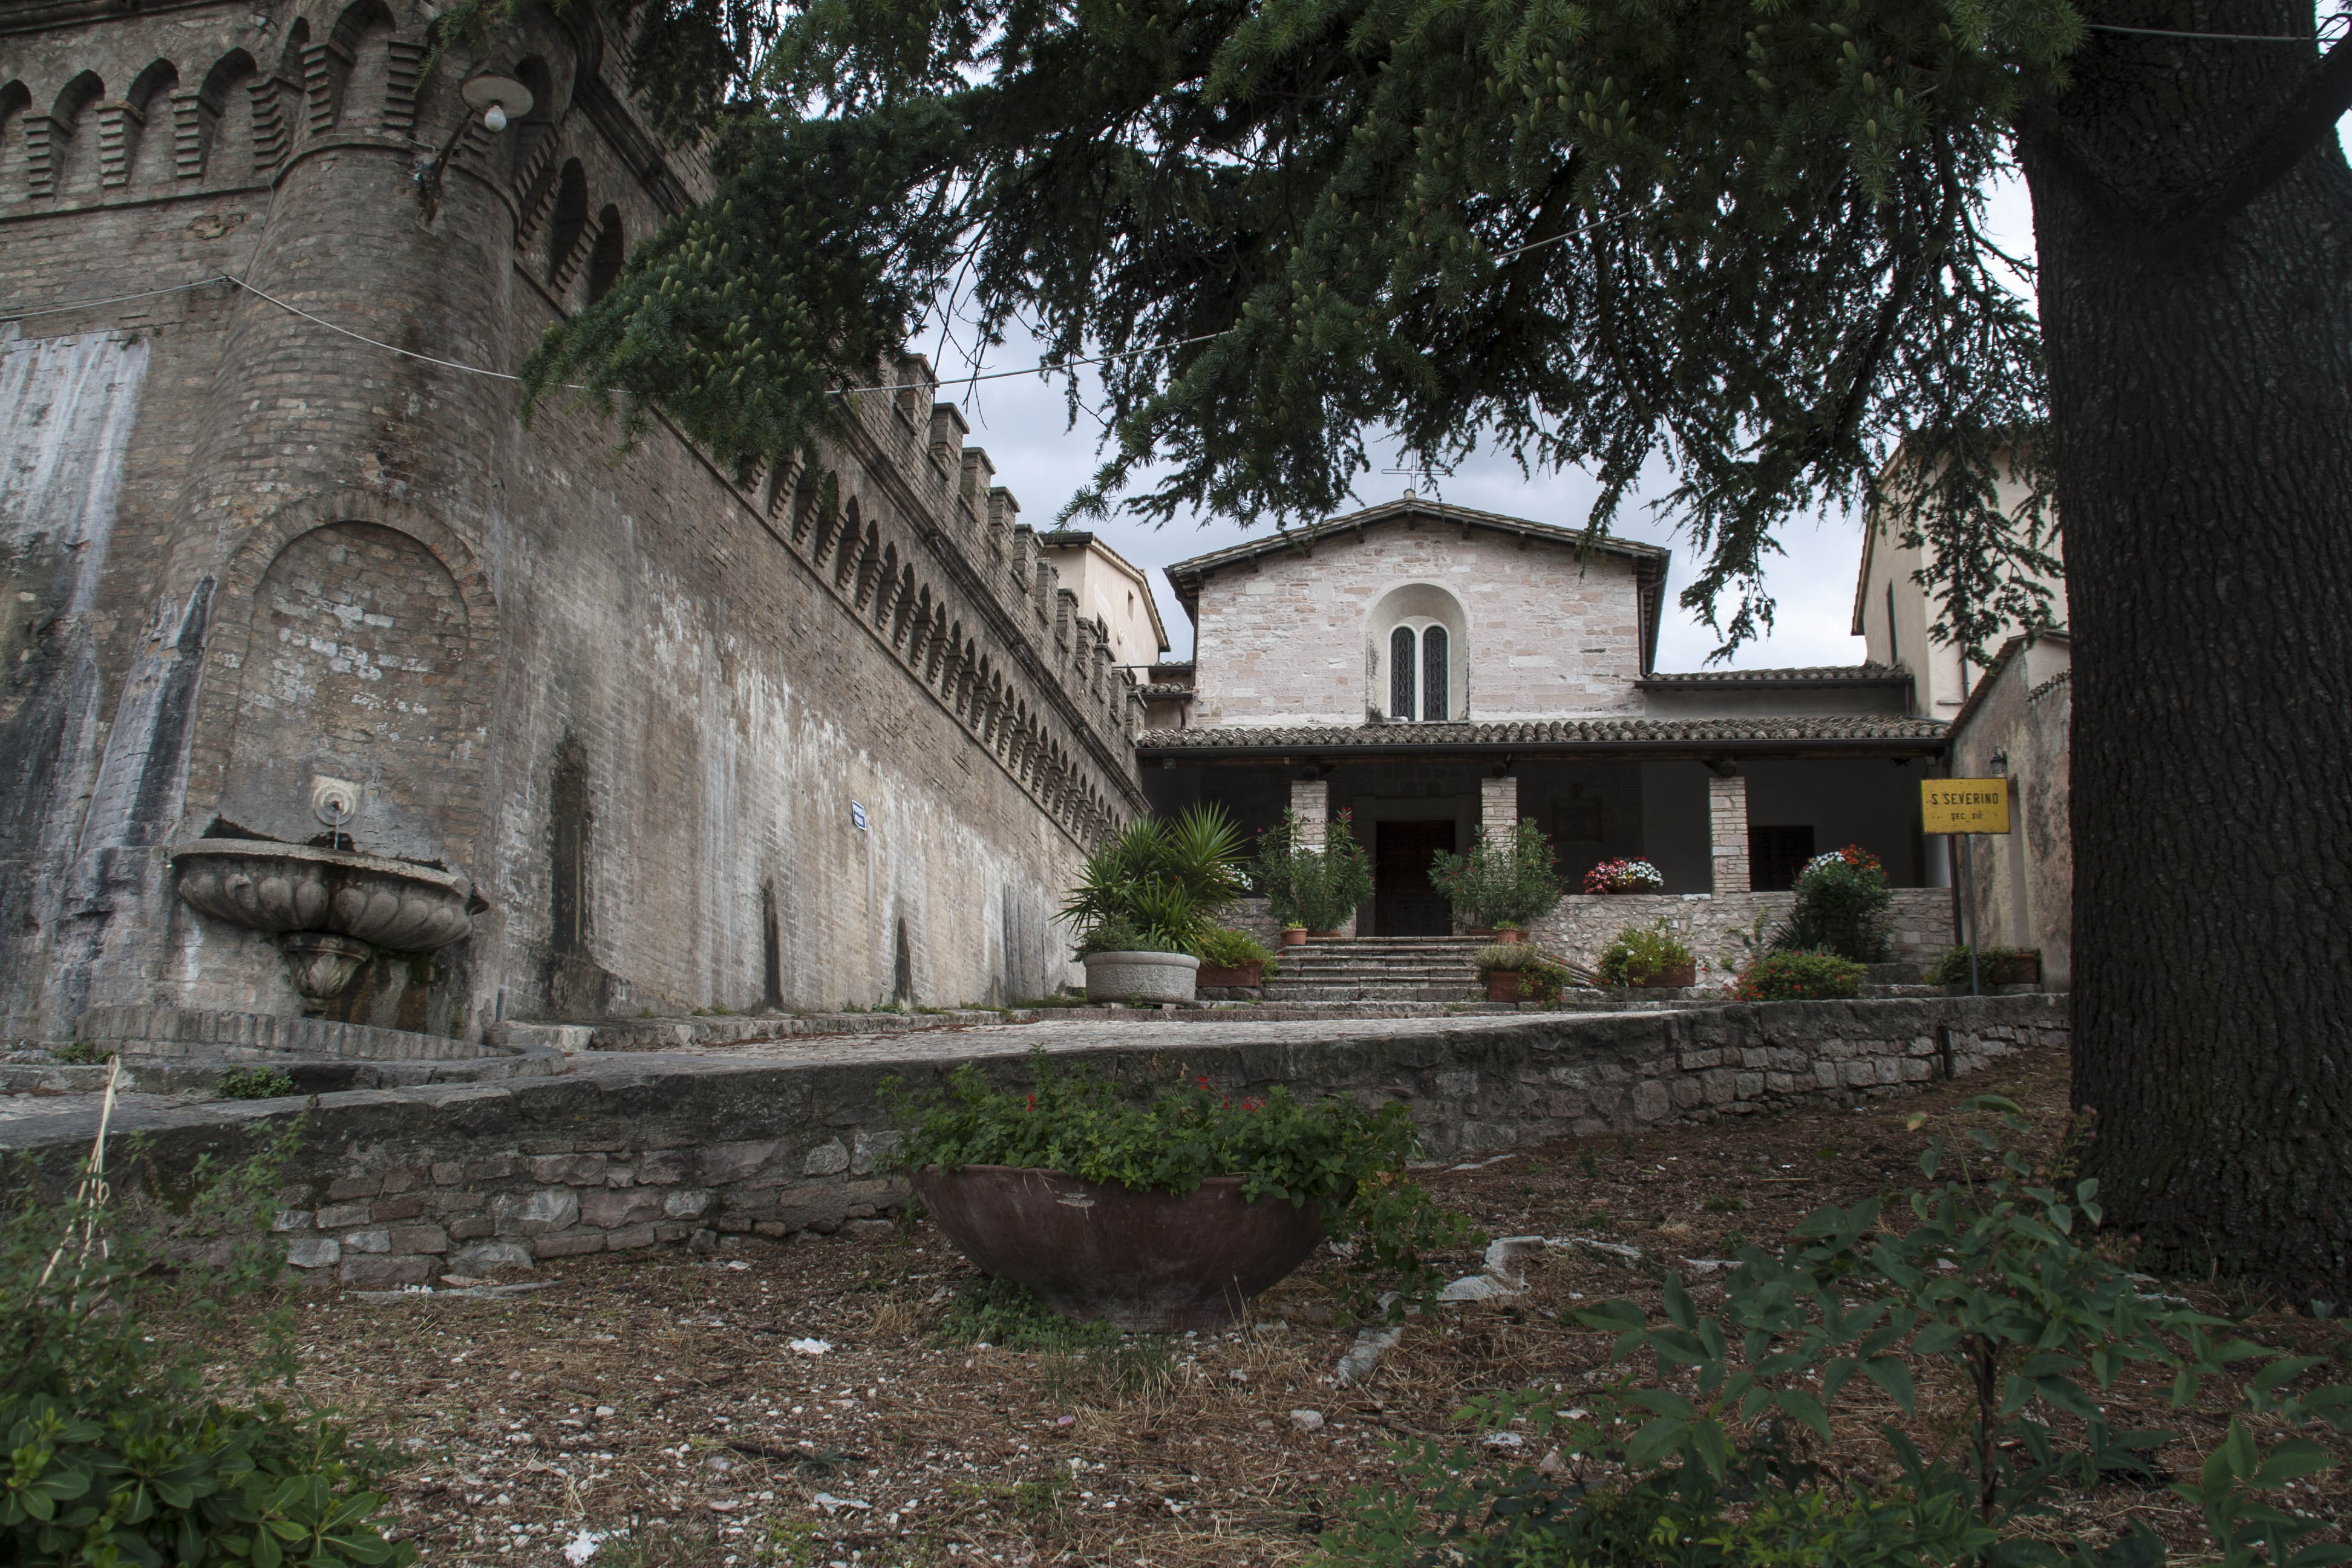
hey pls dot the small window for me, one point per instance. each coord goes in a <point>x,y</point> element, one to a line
<point>1776,855</point>
<point>1401,673</point>
<point>1433,674</point>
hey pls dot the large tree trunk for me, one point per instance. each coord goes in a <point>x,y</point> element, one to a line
<point>2201,400</point>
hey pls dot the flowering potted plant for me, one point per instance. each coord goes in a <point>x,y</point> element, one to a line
<point>1498,885</point>
<point>1624,876</point>
<point>1168,1210</point>
<point>1798,977</point>
<point>1841,907</point>
<point>1649,957</point>
<point>1315,888</point>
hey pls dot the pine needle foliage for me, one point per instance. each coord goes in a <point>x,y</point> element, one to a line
<point>1738,238</point>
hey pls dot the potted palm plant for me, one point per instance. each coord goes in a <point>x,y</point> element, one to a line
<point>1167,1209</point>
<point>1148,899</point>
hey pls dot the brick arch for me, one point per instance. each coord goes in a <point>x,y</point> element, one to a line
<point>352,71</point>
<point>15,99</point>
<point>63,161</point>
<point>225,123</point>
<point>146,159</point>
<point>401,542</point>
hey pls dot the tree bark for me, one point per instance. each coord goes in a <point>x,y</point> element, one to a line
<point>2201,411</point>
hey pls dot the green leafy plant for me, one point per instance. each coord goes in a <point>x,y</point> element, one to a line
<point>1798,977</point>
<point>120,1451</point>
<point>1512,883</point>
<point>1952,968</point>
<point>255,1082</point>
<point>1311,888</point>
<point>1638,952</point>
<point>1541,979</point>
<point>1349,1162</point>
<point>81,1053</point>
<point>1158,886</point>
<point>1231,949</point>
<point>1841,907</point>
<point>1994,1275</point>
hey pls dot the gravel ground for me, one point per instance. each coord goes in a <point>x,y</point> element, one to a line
<point>653,1409</point>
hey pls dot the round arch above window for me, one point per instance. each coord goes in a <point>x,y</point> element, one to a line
<point>1417,655</point>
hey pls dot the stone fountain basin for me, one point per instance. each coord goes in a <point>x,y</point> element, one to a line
<point>280,888</point>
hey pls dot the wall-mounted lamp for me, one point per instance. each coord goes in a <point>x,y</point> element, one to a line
<point>499,99</point>
<point>1999,761</point>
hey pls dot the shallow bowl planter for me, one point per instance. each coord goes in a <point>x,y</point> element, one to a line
<point>1149,1261</point>
<point>1141,976</point>
<point>1233,976</point>
<point>1506,986</point>
<point>1679,974</point>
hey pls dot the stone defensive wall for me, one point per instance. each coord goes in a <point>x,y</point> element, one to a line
<point>395,1187</point>
<point>696,735</point>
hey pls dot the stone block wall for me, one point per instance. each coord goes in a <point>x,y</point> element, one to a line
<point>1719,928</point>
<point>392,1188</point>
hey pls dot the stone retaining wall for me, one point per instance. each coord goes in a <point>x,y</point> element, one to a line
<point>1919,924</point>
<point>395,1187</point>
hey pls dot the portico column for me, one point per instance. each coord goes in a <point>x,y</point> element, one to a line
<point>1311,802</point>
<point>1498,809</point>
<point>1727,810</point>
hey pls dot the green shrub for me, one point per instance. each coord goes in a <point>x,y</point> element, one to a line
<point>255,1081</point>
<point>1798,977</point>
<point>1841,907</point>
<point>1230,949</point>
<point>1952,968</point>
<point>1995,1282</point>
<point>119,1451</point>
<point>81,1053</point>
<point>1156,885</point>
<point>1334,1154</point>
<point>1495,885</point>
<point>1639,952</point>
<point>1317,889</point>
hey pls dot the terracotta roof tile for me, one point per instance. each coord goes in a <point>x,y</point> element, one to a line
<point>1541,732</point>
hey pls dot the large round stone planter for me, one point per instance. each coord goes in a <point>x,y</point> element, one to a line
<point>1149,1261</point>
<point>1141,976</point>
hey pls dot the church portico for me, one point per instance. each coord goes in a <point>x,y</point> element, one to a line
<point>1718,813</point>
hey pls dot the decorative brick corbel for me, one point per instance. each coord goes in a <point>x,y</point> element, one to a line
<point>118,125</point>
<point>187,135</point>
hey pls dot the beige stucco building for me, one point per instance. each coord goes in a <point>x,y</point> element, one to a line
<point>1111,591</point>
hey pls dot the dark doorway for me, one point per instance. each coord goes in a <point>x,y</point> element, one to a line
<point>772,949</point>
<point>1777,854</point>
<point>1403,903</point>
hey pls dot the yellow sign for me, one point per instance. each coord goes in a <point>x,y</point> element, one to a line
<point>1964,805</point>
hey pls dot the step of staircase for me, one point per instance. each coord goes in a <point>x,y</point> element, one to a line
<point>1380,969</point>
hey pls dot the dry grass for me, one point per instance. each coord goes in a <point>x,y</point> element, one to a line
<point>721,1440</point>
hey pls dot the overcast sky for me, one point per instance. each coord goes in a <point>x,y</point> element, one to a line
<point>1021,422</point>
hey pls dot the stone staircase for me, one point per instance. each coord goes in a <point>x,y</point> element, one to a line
<point>1380,969</point>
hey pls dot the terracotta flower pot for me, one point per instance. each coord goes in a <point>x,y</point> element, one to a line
<point>1294,936</point>
<point>1149,1261</point>
<point>1680,974</point>
<point>1509,934</point>
<point>1244,975</point>
<point>1506,986</point>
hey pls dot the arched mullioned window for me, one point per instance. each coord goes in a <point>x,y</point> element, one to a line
<point>1402,663</point>
<point>1415,650</point>
<point>1433,674</point>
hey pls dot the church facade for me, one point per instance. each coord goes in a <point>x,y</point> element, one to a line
<point>332,691</point>
<point>1439,673</point>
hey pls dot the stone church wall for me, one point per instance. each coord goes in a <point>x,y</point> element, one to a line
<point>637,699</point>
<point>1284,639</point>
